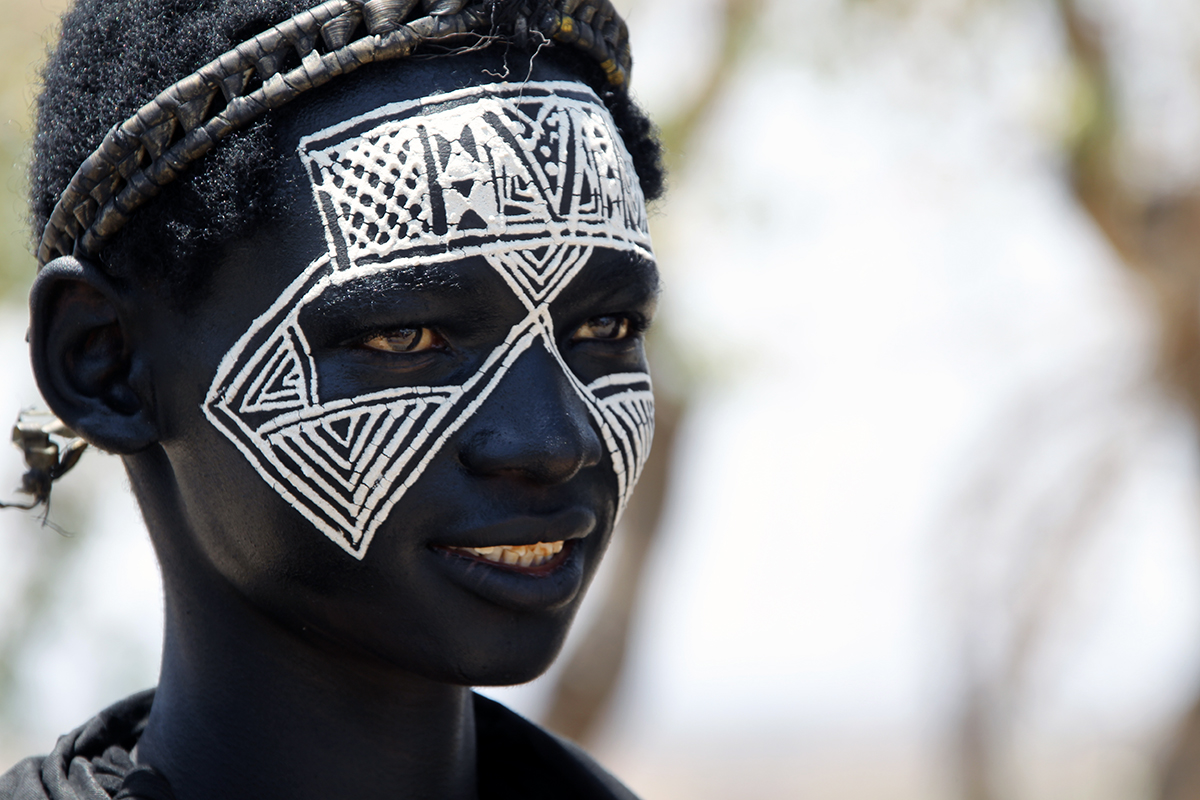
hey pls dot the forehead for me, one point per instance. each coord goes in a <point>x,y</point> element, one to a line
<point>530,168</point>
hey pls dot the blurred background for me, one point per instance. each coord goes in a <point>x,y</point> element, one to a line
<point>921,519</point>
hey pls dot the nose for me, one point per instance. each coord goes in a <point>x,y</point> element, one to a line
<point>533,426</point>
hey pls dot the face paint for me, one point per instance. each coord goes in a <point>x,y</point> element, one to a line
<point>532,178</point>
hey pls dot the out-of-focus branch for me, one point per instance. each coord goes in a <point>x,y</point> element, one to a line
<point>737,25</point>
<point>1003,626</point>
<point>1157,236</point>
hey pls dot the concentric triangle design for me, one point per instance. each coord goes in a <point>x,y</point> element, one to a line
<point>342,479</point>
<point>341,428</point>
<point>357,428</point>
<point>282,383</point>
<point>538,279</point>
<point>345,463</point>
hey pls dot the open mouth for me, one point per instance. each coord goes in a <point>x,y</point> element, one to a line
<point>540,557</point>
<point>542,570</point>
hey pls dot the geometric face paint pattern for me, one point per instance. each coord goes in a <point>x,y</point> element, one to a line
<point>531,177</point>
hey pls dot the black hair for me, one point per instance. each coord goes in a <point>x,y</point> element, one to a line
<point>113,56</point>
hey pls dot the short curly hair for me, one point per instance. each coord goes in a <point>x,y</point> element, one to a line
<point>115,55</point>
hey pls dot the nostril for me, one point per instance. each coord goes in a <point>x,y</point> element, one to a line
<point>472,453</point>
<point>541,456</point>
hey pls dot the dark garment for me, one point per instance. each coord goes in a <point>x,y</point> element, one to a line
<point>517,761</point>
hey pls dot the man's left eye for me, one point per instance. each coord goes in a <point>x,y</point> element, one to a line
<point>609,327</point>
<point>404,340</point>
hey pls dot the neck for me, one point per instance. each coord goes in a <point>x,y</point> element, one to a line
<point>246,709</point>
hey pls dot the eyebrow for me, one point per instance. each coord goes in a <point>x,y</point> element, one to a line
<point>383,286</point>
<point>628,275</point>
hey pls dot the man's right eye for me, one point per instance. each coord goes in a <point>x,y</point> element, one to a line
<point>405,340</point>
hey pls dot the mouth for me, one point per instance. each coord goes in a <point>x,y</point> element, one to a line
<point>542,575</point>
<point>519,556</point>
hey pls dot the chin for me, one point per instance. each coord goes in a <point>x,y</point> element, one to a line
<point>507,658</point>
<point>511,676</point>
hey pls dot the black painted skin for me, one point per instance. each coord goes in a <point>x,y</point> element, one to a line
<point>291,670</point>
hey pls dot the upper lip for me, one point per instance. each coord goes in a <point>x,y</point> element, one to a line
<point>573,523</point>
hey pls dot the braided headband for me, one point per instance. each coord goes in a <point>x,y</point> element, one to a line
<point>146,152</point>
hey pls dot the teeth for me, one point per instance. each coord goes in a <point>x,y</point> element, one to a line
<point>524,555</point>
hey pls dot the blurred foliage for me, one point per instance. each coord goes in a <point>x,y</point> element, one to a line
<point>28,27</point>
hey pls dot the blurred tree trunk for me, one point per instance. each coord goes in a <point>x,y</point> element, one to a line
<point>1158,237</point>
<point>586,685</point>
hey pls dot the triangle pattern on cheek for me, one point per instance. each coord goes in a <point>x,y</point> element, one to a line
<point>346,477</point>
<point>345,430</point>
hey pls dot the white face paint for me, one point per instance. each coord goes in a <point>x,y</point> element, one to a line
<point>532,177</point>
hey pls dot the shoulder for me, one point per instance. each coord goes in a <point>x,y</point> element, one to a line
<point>24,781</point>
<point>518,759</point>
<point>91,762</point>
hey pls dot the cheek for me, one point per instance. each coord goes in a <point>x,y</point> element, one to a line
<point>240,521</point>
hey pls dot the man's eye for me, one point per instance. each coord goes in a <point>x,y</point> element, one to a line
<point>404,340</point>
<point>608,327</point>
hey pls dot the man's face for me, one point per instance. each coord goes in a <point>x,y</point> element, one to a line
<point>432,400</point>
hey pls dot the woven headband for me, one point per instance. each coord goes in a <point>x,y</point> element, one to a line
<point>149,150</point>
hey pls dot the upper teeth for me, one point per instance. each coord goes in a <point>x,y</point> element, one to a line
<point>522,555</point>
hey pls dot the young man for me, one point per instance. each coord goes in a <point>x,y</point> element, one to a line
<point>360,303</point>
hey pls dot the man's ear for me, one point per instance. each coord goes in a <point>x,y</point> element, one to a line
<point>87,365</point>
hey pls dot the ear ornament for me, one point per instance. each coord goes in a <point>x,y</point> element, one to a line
<point>51,449</point>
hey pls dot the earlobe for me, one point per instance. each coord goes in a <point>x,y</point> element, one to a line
<point>85,357</point>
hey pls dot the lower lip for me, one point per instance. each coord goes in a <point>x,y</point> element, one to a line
<point>542,588</point>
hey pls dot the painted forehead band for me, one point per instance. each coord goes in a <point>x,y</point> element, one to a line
<point>149,150</point>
